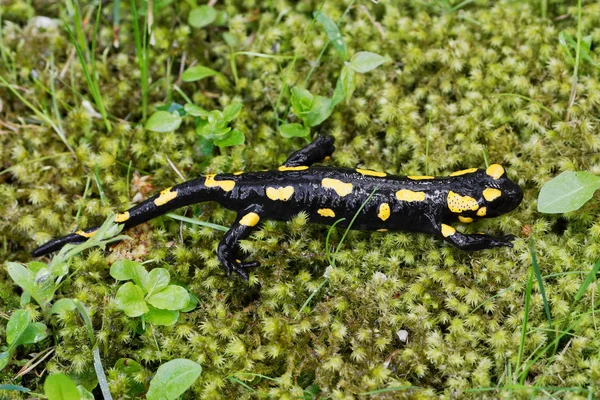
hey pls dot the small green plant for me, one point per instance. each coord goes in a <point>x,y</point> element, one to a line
<point>150,295</point>
<point>21,331</point>
<point>567,192</point>
<point>173,378</point>
<point>61,387</point>
<point>131,368</point>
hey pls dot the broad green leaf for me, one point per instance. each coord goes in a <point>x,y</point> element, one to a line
<point>161,317</point>
<point>156,280</point>
<point>123,270</point>
<point>215,117</point>
<point>172,298</point>
<point>34,333</point>
<point>320,111</point>
<point>63,305</point>
<point>84,394</point>
<point>4,359</point>
<point>59,269</point>
<point>302,101</point>
<point>139,273</point>
<point>197,73</point>
<point>348,80</point>
<point>35,266</point>
<point>231,111</point>
<point>293,130</point>
<point>163,121</point>
<point>173,379</point>
<point>191,304</point>
<point>202,16</point>
<point>130,299</point>
<point>196,111</point>
<point>25,299</point>
<point>333,34</point>
<point>25,279</point>
<point>60,387</point>
<point>233,138</point>
<point>567,192</point>
<point>365,61</point>
<point>17,324</point>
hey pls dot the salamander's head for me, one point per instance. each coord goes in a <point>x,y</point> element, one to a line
<point>483,194</point>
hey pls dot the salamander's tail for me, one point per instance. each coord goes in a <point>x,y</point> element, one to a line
<point>57,244</point>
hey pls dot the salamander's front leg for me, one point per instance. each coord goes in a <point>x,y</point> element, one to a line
<point>317,151</point>
<point>227,252</point>
<point>475,241</point>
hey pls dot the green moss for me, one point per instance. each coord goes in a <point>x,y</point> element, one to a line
<point>469,70</point>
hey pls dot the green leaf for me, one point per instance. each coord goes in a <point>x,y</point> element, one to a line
<point>172,298</point>
<point>131,368</point>
<point>25,279</point>
<point>191,304</point>
<point>35,266</point>
<point>333,34</point>
<point>365,61</point>
<point>34,333</point>
<point>202,16</point>
<point>156,280</point>
<point>4,359</point>
<point>302,101</point>
<point>567,192</point>
<point>319,112</point>
<point>60,387</point>
<point>139,274</point>
<point>25,299</point>
<point>233,138</point>
<point>130,299</point>
<point>348,81</point>
<point>215,117</point>
<point>17,324</point>
<point>293,130</point>
<point>163,121</point>
<point>197,73</point>
<point>59,269</point>
<point>63,305</point>
<point>338,93</point>
<point>194,110</point>
<point>172,379</point>
<point>84,394</point>
<point>161,317</point>
<point>123,270</point>
<point>231,111</point>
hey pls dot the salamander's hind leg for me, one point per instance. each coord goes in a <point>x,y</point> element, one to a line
<point>475,241</point>
<point>317,151</point>
<point>227,252</point>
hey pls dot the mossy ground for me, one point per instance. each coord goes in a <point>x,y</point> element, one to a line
<point>465,70</point>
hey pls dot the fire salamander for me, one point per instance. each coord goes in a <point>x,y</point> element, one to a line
<point>425,204</point>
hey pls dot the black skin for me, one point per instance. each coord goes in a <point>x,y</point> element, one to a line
<point>269,195</point>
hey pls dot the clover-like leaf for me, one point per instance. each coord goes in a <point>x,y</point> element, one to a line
<point>172,379</point>
<point>17,324</point>
<point>302,101</point>
<point>231,111</point>
<point>197,73</point>
<point>156,280</point>
<point>366,61</point>
<point>202,16</point>
<point>194,110</point>
<point>157,316</point>
<point>319,112</point>
<point>293,130</point>
<point>233,138</point>
<point>130,299</point>
<point>173,297</point>
<point>163,121</point>
<point>123,270</point>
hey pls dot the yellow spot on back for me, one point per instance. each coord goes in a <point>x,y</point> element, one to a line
<point>299,168</point>
<point>481,212</point>
<point>86,234</point>
<point>464,171</point>
<point>226,185</point>
<point>495,171</point>
<point>326,212</point>
<point>165,196</point>
<point>341,188</point>
<point>384,211</point>
<point>490,194</point>
<point>465,220</point>
<point>368,172</point>
<point>122,217</point>
<point>409,195</point>
<point>458,203</point>
<point>238,172</point>
<point>250,219</point>
<point>419,177</point>
<point>281,193</point>
<point>327,158</point>
<point>382,230</point>
<point>447,230</point>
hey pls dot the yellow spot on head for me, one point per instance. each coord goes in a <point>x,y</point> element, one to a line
<point>481,212</point>
<point>281,193</point>
<point>122,217</point>
<point>250,219</point>
<point>384,211</point>
<point>165,196</point>
<point>464,171</point>
<point>382,230</point>
<point>226,185</point>
<point>495,171</point>
<point>326,212</point>
<point>490,194</point>
<point>327,158</point>
<point>238,172</point>
<point>409,195</point>
<point>465,220</point>
<point>299,168</point>
<point>341,188</point>
<point>458,203</point>
<point>368,172</point>
<point>419,177</point>
<point>447,230</point>
<point>86,234</point>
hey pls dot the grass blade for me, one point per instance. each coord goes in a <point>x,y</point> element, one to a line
<point>538,277</point>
